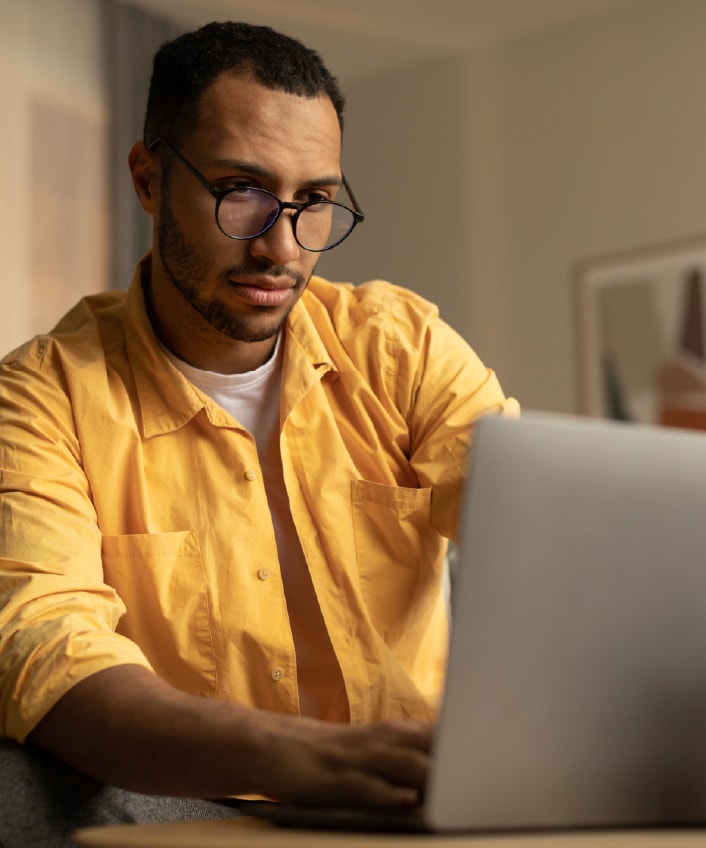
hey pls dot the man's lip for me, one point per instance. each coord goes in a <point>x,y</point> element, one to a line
<point>263,292</point>
<point>267,283</point>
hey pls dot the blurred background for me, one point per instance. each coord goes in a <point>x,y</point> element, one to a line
<point>495,146</point>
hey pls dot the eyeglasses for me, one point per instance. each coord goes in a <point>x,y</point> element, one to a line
<point>246,212</point>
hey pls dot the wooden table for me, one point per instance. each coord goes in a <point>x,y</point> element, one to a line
<point>248,833</point>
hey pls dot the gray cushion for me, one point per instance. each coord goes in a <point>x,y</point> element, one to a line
<point>42,800</point>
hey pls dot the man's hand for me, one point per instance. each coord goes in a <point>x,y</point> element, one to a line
<point>128,728</point>
<point>377,764</point>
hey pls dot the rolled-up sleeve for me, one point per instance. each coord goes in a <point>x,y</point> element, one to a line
<point>57,616</point>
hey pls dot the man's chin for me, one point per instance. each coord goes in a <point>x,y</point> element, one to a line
<point>251,331</point>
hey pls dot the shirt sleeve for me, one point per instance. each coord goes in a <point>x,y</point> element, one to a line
<point>57,616</point>
<point>449,389</point>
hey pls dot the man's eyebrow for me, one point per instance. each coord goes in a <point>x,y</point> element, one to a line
<point>324,182</point>
<point>245,167</point>
<point>241,165</point>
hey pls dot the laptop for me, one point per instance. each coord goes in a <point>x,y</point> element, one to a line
<point>576,685</point>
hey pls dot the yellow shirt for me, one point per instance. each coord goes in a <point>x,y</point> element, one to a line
<point>134,524</point>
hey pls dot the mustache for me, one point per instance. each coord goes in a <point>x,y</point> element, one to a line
<point>274,271</point>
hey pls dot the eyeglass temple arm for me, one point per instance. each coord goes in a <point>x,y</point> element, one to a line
<point>356,207</point>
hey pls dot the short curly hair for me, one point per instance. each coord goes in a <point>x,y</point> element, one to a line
<point>186,66</point>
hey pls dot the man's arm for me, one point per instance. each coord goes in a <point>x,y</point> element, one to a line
<point>126,727</point>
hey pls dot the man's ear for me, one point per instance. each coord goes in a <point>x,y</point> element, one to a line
<point>144,167</point>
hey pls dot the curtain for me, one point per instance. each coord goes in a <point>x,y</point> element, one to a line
<point>132,38</point>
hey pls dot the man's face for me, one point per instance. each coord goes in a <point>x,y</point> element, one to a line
<point>205,284</point>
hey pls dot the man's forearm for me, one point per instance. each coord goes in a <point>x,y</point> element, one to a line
<point>126,727</point>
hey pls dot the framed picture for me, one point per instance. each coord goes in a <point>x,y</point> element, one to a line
<point>641,331</point>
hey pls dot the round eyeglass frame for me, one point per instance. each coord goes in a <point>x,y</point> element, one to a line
<point>219,195</point>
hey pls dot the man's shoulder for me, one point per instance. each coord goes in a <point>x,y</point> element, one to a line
<point>84,333</point>
<point>348,303</point>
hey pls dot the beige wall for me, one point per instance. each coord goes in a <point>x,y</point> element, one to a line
<point>52,161</point>
<point>583,140</point>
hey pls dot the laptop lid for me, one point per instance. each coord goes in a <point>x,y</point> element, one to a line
<point>576,691</point>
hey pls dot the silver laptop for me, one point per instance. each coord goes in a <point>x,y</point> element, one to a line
<point>576,687</point>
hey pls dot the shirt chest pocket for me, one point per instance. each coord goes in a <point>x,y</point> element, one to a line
<point>161,580</point>
<point>399,553</point>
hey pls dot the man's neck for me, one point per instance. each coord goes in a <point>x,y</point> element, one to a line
<point>204,347</point>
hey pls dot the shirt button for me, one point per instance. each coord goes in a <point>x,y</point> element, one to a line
<point>277,674</point>
<point>264,573</point>
<point>250,474</point>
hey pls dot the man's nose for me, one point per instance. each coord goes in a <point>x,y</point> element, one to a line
<point>278,243</point>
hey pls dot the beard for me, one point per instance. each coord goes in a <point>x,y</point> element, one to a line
<point>187,269</point>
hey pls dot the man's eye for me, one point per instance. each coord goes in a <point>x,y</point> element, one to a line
<point>234,185</point>
<point>315,197</point>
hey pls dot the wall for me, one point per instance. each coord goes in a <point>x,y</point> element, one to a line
<point>583,140</point>
<point>53,218</point>
<point>406,157</point>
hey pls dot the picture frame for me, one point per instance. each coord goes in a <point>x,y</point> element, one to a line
<point>640,320</point>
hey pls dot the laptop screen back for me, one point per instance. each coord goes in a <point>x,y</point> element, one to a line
<point>576,691</point>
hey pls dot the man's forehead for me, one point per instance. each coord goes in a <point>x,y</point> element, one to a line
<point>240,119</point>
<point>239,96</point>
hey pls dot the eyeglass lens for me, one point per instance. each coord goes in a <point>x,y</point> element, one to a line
<point>245,213</point>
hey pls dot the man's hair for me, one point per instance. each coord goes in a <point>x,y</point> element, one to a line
<point>186,66</point>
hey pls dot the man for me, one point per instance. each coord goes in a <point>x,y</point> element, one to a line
<point>224,497</point>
